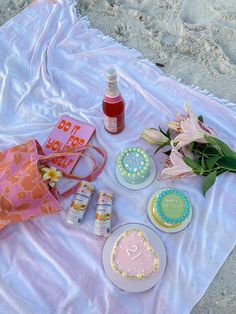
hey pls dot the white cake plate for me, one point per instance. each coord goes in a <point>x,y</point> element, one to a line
<point>178,228</point>
<point>133,284</point>
<point>139,186</point>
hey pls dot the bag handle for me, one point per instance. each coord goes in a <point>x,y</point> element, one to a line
<point>96,170</point>
<point>72,152</point>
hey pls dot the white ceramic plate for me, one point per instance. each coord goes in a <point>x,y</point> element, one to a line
<point>178,228</point>
<point>139,186</point>
<point>130,284</point>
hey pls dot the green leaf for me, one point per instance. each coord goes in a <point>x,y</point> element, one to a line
<point>211,151</point>
<point>200,118</point>
<point>162,131</point>
<point>168,133</point>
<point>211,140</point>
<point>190,147</point>
<point>192,163</point>
<point>209,181</point>
<point>228,163</point>
<point>225,149</point>
<point>210,162</point>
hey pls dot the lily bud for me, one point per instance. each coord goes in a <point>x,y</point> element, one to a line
<point>154,136</point>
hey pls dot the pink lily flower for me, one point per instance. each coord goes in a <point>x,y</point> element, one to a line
<point>186,152</point>
<point>191,129</point>
<point>175,126</point>
<point>176,167</point>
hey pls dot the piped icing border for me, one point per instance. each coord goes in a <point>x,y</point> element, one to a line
<point>137,172</point>
<point>166,219</point>
<point>160,223</point>
<point>149,248</point>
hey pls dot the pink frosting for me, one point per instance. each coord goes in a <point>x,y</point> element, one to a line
<point>134,255</point>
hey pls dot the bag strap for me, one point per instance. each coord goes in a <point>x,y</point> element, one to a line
<point>96,170</point>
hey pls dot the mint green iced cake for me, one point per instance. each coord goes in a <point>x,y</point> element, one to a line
<point>134,165</point>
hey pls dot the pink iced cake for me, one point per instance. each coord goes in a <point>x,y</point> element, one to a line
<point>133,256</point>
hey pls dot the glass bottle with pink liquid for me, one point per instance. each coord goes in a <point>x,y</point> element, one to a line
<point>113,105</point>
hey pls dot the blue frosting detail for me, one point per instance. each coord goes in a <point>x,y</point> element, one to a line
<point>168,219</point>
<point>133,161</point>
<point>136,165</point>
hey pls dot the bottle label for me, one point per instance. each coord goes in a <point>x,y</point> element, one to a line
<point>113,100</point>
<point>102,225</point>
<point>110,124</point>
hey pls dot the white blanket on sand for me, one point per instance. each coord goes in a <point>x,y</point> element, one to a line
<point>52,63</point>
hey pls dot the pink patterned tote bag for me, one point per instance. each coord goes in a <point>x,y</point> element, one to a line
<point>23,193</point>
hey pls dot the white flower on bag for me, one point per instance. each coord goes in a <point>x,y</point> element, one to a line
<point>51,174</point>
<point>191,129</point>
<point>176,168</point>
<point>154,136</point>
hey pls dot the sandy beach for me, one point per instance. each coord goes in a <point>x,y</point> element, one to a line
<point>191,40</point>
<point>195,40</point>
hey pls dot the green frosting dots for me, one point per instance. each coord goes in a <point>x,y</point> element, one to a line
<point>172,206</point>
<point>134,165</point>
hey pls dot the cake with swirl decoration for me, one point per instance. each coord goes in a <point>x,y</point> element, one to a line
<point>133,257</point>
<point>134,165</point>
<point>170,208</point>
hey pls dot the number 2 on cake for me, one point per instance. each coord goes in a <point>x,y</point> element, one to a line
<point>133,249</point>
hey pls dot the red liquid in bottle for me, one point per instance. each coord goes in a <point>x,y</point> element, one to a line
<point>114,117</point>
<point>113,106</point>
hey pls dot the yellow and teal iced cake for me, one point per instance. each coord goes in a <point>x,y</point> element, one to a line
<point>170,208</point>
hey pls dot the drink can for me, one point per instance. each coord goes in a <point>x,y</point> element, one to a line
<point>85,188</point>
<point>102,225</point>
<point>80,203</point>
<point>105,198</point>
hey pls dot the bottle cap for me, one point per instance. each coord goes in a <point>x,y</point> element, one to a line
<point>111,74</point>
